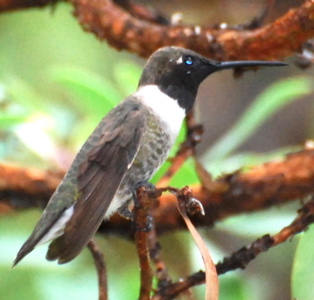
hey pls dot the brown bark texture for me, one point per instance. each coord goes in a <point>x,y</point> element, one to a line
<point>260,187</point>
<point>132,27</point>
<point>142,34</point>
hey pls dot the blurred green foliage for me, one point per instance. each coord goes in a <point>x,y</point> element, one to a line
<point>267,104</point>
<point>56,83</point>
<point>303,271</point>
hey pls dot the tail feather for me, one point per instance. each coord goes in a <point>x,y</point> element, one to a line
<point>26,249</point>
<point>44,233</point>
<point>54,249</point>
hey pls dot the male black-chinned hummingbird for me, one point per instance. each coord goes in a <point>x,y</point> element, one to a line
<point>127,147</point>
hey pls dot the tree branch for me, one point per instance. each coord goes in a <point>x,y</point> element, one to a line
<point>277,40</point>
<point>143,198</point>
<point>126,31</point>
<point>241,258</point>
<point>263,186</point>
<point>11,5</point>
<point>101,269</point>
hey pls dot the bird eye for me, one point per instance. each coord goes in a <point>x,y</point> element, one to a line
<point>188,60</point>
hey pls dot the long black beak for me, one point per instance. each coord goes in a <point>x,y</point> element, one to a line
<point>249,63</point>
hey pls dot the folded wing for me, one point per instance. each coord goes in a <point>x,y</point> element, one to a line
<point>99,178</point>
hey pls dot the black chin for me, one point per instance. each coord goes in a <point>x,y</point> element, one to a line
<point>185,97</point>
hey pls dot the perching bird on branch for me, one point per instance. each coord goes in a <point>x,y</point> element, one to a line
<point>128,146</point>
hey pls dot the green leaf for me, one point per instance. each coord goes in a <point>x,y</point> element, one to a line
<point>233,287</point>
<point>127,75</point>
<point>186,175</point>
<point>267,104</point>
<point>9,120</point>
<point>96,94</point>
<point>245,160</point>
<point>25,95</point>
<point>161,171</point>
<point>303,267</point>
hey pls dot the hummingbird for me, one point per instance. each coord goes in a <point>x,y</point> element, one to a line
<point>128,146</point>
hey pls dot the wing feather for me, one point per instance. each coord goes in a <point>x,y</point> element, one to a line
<point>98,180</point>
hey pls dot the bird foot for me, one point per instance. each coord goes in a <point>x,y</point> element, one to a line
<point>143,195</point>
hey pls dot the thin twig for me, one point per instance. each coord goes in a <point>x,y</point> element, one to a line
<point>101,269</point>
<point>241,258</point>
<point>161,272</point>
<point>143,198</point>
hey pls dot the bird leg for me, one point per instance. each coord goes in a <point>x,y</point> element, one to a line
<point>143,194</point>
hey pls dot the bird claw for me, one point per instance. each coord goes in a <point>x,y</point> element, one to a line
<point>125,212</point>
<point>147,228</point>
